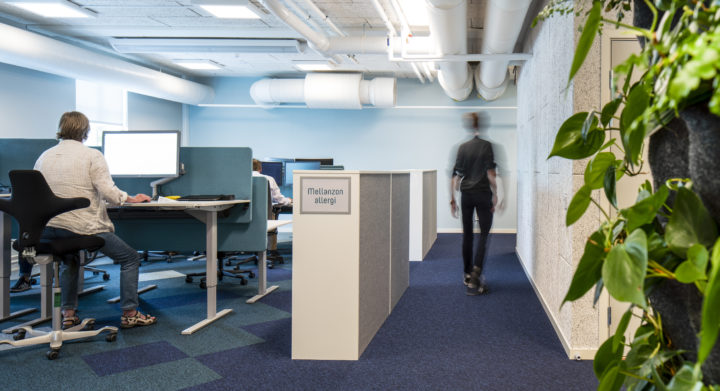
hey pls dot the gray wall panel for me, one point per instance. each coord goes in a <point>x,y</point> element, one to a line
<point>374,286</point>
<point>400,227</point>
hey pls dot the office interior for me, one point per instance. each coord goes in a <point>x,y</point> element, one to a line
<point>421,131</point>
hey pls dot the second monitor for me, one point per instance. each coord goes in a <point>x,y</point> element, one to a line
<point>298,165</point>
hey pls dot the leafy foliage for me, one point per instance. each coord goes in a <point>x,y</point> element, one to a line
<point>638,247</point>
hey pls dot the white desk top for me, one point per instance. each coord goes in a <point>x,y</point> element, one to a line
<point>183,205</point>
<point>272,224</point>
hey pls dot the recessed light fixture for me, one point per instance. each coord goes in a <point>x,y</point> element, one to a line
<point>229,9</point>
<point>199,65</point>
<point>317,66</point>
<point>53,8</point>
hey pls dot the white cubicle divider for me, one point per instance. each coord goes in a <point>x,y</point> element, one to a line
<point>350,259</point>
<point>423,212</point>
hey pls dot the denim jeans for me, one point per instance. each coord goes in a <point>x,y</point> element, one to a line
<point>480,203</point>
<point>115,248</point>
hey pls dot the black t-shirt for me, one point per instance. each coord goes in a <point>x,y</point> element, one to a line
<point>474,158</point>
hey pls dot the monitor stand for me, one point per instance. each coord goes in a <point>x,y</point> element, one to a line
<point>162,181</point>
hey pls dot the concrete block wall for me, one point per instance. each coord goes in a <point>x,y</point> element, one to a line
<point>550,251</point>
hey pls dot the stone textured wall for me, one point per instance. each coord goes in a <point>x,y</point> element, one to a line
<point>548,249</point>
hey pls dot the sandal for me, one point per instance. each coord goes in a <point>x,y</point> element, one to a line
<point>138,319</point>
<point>70,321</point>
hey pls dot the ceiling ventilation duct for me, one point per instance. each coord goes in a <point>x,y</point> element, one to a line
<point>448,28</point>
<point>29,50</point>
<point>503,21</point>
<point>327,91</point>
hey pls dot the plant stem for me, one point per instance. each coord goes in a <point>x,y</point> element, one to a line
<point>645,33</point>
<point>600,207</point>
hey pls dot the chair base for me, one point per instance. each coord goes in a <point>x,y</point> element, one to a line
<point>55,338</point>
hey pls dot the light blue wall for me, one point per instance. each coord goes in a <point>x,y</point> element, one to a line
<point>367,139</point>
<point>148,113</point>
<point>32,102</point>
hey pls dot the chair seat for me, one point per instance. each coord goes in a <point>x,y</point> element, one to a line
<point>67,245</point>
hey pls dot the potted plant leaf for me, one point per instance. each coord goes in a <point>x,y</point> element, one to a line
<point>661,254</point>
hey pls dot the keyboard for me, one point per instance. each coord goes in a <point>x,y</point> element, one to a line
<point>207,197</point>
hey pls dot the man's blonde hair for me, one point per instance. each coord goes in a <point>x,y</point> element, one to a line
<point>73,125</point>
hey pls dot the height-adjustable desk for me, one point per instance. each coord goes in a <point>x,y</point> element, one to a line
<point>5,270</point>
<point>206,212</point>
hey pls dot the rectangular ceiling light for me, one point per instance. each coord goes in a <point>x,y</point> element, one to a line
<point>310,67</point>
<point>229,9</point>
<point>53,8</point>
<point>198,65</point>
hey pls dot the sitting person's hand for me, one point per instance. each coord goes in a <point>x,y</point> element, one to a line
<point>137,198</point>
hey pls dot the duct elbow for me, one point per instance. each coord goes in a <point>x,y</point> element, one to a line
<point>490,92</point>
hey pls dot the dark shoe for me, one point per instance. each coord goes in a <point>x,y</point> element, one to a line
<point>476,287</point>
<point>466,279</point>
<point>21,285</point>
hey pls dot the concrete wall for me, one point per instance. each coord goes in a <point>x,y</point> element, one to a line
<point>549,251</point>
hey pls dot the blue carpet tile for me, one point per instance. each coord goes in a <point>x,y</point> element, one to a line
<point>122,360</point>
<point>436,338</point>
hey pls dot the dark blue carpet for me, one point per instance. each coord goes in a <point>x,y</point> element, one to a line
<point>437,338</point>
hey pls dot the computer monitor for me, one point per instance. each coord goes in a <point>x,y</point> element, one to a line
<point>139,153</point>
<point>292,166</point>
<point>325,161</point>
<point>273,169</point>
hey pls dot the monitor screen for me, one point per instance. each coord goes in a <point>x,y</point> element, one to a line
<point>142,153</point>
<point>325,161</point>
<point>273,169</point>
<point>292,166</point>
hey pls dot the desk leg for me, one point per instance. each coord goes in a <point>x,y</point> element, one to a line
<point>5,259</point>
<point>210,220</point>
<point>263,290</point>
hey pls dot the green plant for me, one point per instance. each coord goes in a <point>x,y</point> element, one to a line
<point>668,234</point>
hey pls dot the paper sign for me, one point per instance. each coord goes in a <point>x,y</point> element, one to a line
<point>325,195</point>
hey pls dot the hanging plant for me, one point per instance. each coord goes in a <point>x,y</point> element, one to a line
<point>661,254</point>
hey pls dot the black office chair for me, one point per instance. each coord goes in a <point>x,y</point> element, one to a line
<point>32,205</point>
<point>222,272</point>
<point>273,255</point>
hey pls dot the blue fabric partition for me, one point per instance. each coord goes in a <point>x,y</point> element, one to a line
<point>20,154</point>
<point>208,171</point>
<point>185,235</point>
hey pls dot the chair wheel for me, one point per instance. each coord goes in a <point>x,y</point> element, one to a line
<point>19,335</point>
<point>243,282</point>
<point>188,279</point>
<point>203,285</point>
<point>270,266</point>
<point>251,275</point>
<point>111,337</point>
<point>52,354</point>
<point>106,277</point>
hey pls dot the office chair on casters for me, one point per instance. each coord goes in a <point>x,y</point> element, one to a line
<point>221,272</point>
<point>32,205</point>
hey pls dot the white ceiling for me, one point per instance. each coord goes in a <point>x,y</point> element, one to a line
<point>117,19</point>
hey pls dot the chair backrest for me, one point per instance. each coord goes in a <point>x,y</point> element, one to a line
<point>33,204</point>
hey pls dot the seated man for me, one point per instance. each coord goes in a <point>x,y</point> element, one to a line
<point>277,199</point>
<point>74,170</point>
<point>275,194</point>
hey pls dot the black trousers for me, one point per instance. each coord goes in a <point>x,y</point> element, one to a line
<point>480,203</point>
